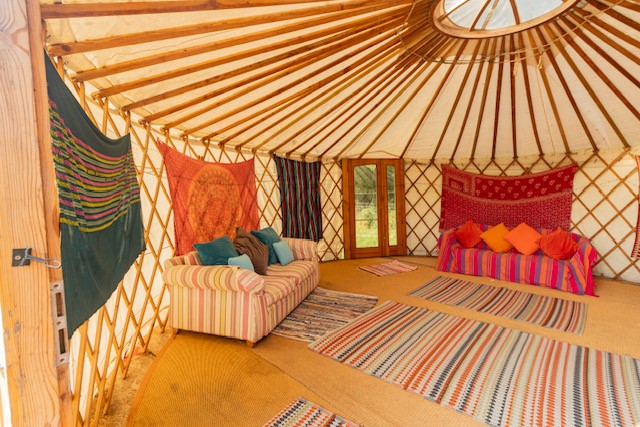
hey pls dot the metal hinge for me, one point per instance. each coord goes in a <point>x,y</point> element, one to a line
<point>59,312</point>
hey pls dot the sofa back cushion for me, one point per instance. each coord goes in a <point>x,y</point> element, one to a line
<point>216,252</point>
<point>248,244</point>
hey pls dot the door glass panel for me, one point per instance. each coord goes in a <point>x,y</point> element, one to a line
<point>391,205</point>
<point>366,206</point>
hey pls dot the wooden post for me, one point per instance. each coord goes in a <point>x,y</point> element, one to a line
<point>38,391</point>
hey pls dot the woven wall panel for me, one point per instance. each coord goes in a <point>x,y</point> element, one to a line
<point>605,204</point>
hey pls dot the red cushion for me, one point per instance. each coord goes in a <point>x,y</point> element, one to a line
<point>558,244</point>
<point>524,238</point>
<point>469,234</point>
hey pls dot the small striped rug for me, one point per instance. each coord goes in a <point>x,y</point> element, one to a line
<point>499,376</point>
<point>560,314</point>
<point>388,268</point>
<point>303,413</point>
<point>322,311</point>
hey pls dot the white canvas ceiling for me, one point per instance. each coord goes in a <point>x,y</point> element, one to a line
<point>354,78</point>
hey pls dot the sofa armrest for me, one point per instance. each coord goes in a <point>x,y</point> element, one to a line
<point>445,258</point>
<point>581,266</point>
<point>303,249</point>
<point>220,278</point>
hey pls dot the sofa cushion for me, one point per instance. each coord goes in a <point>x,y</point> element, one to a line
<point>283,252</point>
<point>469,234</point>
<point>248,244</point>
<point>242,261</point>
<point>268,236</point>
<point>524,238</point>
<point>297,270</point>
<point>494,238</point>
<point>217,251</point>
<point>277,288</point>
<point>558,244</point>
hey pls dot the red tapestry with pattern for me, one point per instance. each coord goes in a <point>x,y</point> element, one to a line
<point>209,199</point>
<point>541,200</point>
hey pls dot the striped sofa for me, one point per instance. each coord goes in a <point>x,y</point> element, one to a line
<point>237,303</point>
<point>572,275</point>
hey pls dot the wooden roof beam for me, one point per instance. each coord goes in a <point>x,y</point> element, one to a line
<point>527,84</point>
<point>93,10</point>
<point>343,81</point>
<point>267,76</point>
<point>174,55</point>
<point>61,49</point>
<point>345,30</point>
<point>382,46</point>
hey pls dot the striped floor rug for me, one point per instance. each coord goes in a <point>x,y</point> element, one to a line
<point>388,268</point>
<point>322,311</point>
<point>499,376</point>
<point>303,413</point>
<point>560,314</point>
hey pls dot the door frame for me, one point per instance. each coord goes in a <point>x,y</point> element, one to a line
<point>349,232</point>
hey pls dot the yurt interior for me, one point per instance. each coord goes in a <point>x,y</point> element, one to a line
<point>320,212</point>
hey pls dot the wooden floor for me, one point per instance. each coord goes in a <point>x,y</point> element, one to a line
<point>613,322</point>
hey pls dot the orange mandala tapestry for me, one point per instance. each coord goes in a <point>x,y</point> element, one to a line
<point>209,199</point>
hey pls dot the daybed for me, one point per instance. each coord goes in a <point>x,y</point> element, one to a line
<point>572,275</point>
<point>237,303</point>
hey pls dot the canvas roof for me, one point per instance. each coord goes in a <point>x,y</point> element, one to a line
<point>354,78</point>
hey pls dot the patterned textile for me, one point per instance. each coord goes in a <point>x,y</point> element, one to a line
<point>635,252</point>
<point>101,231</point>
<point>209,200</point>
<point>563,315</point>
<point>300,197</point>
<point>388,268</point>
<point>322,311</point>
<point>572,275</point>
<point>238,303</point>
<point>542,200</point>
<point>499,376</point>
<point>303,413</point>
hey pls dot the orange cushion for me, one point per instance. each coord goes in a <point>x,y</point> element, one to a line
<point>524,238</point>
<point>494,238</point>
<point>558,244</point>
<point>469,234</point>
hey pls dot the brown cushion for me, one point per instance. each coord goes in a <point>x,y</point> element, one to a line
<point>248,244</point>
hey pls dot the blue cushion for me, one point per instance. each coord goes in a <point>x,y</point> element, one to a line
<point>268,236</point>
<point>242,261</point>
<point>216,252</point>
<point>283,252</point>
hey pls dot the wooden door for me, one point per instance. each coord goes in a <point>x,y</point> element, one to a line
<point>373,205</point>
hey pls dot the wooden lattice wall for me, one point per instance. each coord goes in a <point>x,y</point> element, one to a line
<point>605,209</point>
<point>605,203</point>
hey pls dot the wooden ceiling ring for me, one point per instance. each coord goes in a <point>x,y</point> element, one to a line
<point>232,41</point>
<point>62,49</point>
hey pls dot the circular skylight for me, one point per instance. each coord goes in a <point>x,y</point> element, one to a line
<point>488,18</point>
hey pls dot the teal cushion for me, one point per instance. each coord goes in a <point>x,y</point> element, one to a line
<point>283,252</point>
<point>216,252</point>
<point>242,261</point>
<point>268,236</point>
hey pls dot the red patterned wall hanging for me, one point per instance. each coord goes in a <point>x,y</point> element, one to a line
<point>209,199</point>
<point>541,199</point>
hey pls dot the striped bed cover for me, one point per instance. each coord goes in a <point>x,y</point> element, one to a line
<point>572,275</point>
